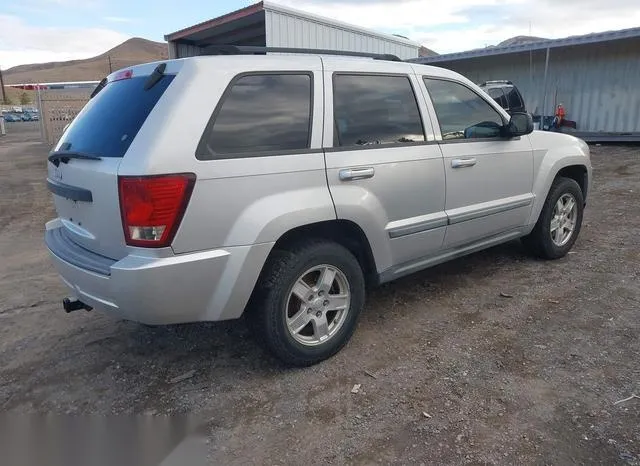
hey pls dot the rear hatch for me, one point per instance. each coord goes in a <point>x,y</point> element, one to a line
<point>83,167</point>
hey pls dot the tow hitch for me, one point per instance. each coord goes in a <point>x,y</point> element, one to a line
<point>70,305</point>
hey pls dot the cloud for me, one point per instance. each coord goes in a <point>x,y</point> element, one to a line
<point>390,14</point>
<point>23,43</point>
<point>457,25</point>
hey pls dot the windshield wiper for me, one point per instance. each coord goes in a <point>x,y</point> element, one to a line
<point>65,155</point>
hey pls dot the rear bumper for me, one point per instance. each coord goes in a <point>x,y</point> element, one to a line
<point>201,286</point>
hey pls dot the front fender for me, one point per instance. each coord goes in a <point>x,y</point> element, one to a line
<point>553,152</point>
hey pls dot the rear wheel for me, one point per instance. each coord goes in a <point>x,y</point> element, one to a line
<point>560,221</point>
<point>307,302</point>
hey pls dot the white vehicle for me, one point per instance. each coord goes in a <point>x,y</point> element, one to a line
<point>295,181</point>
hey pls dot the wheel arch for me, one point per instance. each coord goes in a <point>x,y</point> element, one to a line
<point>573,167</point>
<point>343,232</point>
<point>578,173</point>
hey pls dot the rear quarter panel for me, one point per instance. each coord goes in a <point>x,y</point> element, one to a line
<point>236,201</point>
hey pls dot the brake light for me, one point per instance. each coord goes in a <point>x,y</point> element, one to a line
<point>152,207</point>
<point>122,74</point>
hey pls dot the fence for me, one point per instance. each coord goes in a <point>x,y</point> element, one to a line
<point>57,108</point>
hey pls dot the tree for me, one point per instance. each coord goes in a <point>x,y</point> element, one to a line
<point>25,99</point>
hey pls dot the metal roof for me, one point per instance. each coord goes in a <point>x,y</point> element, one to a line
<point>254,14</point>
<point>186,33</point>
<point>593,38</point>
<point>271,6</point>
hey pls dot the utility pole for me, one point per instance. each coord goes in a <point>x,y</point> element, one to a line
<point>4,97</point>
<point>110,69</point>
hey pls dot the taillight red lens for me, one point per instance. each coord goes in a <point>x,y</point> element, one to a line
<point>122,74</point>
<point>152,207</point>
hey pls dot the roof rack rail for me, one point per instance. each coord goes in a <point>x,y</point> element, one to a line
<point>497,81</point>
<point>252,50</point>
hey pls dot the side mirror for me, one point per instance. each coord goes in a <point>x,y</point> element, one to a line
<point>520,124</point>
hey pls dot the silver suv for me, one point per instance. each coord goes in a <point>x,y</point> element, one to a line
<point>193,189</point>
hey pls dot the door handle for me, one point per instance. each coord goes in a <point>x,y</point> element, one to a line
<point>462,163</point>
<point>351,174</point>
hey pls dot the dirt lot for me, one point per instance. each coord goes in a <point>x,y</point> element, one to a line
<point>527,379</point>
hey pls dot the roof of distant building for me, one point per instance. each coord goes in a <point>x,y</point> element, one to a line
<point>593,38</point>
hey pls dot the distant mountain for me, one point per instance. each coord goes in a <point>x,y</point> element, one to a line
<point>520,40</point>
<point>425,52</point>
<point>130,52</point>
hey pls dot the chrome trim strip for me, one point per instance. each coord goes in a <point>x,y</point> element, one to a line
<point>414,225</point>
<point>465,214</point>
<point>422,263</point>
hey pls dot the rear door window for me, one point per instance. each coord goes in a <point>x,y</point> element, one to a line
<point>375,110</point>
<point>514,98</point>
<point>496,94</point>
<point>260,113</point>
<point>110,121</point>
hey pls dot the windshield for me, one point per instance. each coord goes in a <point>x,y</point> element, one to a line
<point>109,122</point>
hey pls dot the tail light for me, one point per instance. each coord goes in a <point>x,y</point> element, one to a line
<point>152,207</point>
<point>122,74</point>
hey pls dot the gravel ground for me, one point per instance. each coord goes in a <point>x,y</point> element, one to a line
<point>451,372</point>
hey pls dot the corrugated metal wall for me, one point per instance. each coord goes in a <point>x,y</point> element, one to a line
<point>284,30</point>
<point>184,50</point>
<point>598,84</point>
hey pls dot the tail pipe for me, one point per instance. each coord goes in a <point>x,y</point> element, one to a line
<point>71,304</point>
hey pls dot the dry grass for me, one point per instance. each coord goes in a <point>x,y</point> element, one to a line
<point>14,95</point>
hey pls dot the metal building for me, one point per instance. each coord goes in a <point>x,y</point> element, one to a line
<point>272,25</point>
<point>596,77</point>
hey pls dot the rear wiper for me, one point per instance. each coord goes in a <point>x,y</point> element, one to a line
<point>155,77</point>
<point>65,155</point>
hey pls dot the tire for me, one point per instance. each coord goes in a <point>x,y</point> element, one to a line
<point>544,241</point>
<point>277,307</point>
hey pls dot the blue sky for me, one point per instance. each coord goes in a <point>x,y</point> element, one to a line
<point>149,19</point>
<point>53,30</point>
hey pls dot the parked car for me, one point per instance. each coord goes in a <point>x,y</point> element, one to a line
<point>297,182</point>
<point>12,117</point>
<point>29,117</point>
<point>506,94</point>
<point>63,117</point>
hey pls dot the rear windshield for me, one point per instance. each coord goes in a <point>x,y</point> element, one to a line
<point>110,121</point>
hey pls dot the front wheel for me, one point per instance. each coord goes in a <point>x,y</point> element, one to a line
<point>560,221</point>
<point>307,302</point>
